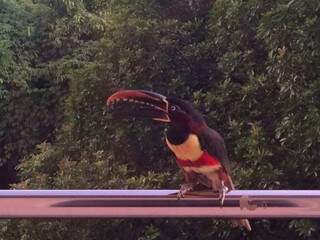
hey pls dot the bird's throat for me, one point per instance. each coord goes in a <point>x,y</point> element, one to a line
<point>190,149</point>
<point>177,134</point>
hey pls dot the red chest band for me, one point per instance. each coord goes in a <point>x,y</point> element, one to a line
<point>205,160</point>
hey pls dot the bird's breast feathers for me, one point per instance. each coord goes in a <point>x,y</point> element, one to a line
<point>191,157</point>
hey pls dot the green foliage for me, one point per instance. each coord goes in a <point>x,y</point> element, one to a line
<point>27,100</point>
<point>252,67</point>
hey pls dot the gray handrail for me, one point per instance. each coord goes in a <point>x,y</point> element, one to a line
<point>158,203</point>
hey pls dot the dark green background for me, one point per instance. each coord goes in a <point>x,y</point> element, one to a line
<point>252,67</point>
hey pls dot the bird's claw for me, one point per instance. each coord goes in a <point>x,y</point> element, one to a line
<point>222,193</point>
<point>185,188</point>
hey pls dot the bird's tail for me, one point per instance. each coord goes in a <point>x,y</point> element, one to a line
<point>241,223</point>
<point>238,222</point>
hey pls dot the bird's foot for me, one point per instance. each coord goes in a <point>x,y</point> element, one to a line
<point>222,193</point>
<point>185,188</point>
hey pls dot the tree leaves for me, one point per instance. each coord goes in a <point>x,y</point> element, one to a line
<point>250,66</point>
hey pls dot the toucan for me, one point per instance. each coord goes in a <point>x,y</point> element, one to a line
<point>200,151</point>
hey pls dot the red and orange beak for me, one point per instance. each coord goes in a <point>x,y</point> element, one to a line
<point>139,103</point>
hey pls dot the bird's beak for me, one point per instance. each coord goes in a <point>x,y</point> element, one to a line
<point>139,103</point>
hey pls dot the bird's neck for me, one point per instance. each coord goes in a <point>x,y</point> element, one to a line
<point>183,143</point>
<point>177,133</point>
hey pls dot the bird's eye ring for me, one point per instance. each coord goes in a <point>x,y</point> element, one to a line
<point>173,108</point>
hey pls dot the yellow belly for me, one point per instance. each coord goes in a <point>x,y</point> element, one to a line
<point>189,150</point>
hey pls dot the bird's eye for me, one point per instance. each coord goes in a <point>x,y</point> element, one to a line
<point>173,108</point>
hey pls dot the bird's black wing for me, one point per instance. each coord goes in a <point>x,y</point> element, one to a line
<point>213,142</point>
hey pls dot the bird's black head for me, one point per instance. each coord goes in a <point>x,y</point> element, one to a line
<point>182,112</point>
<point>147,104</point>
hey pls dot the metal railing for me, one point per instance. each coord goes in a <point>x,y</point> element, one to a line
<point>158,204</point>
